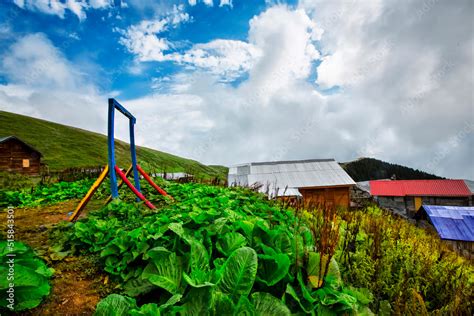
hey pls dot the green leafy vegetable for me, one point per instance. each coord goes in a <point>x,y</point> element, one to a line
<point>27,272</point>
<point>239,272</point>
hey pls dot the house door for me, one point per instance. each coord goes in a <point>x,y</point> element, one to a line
<point>418,202</point>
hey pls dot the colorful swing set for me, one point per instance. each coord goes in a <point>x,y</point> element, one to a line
<point>113,172</point>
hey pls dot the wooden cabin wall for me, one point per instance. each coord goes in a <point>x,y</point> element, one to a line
<point>329,197</point>
<point>12,157</point>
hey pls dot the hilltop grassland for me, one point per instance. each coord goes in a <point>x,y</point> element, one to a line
<point>69,147</point>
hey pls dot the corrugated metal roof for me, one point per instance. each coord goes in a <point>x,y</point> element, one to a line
<point>172,175</point>
<point>276,176</point>
<point>419,188</point>
<point>452,222</point>
<point>470,185</point>
<point>364,185</point>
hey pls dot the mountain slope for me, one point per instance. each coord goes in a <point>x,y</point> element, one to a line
<point>65,147</point>
<point>365,169</point>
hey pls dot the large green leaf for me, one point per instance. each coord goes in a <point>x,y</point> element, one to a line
<point>272,268</point>
<point>282,243</point>
<point>150,309</point>
<point>261,234</point>
<point>266,304</point>
<point>115,305</point>
<point>229,242</point>
<point>199,302</point>
<point>164,270</point>
<point>30,274</point>
<point>244,307</point>
<point>223,304</point>
<point>315,274</point>
<point>27,297</point>
<point>138,286</point>
<point>171,301</point>
<point>246,227</point>
<point>239,272</point>
<point>306,306</point>
<point>199,257</point>
<point>198,278</point>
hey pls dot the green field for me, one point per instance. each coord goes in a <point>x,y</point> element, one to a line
<point>214,250</point>
<point>68,147</point>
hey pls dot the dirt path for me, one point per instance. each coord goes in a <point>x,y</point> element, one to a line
<point>77,284</point>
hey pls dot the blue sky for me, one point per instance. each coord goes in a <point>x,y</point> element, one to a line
<point>93,41</point>
<point>232,81</point>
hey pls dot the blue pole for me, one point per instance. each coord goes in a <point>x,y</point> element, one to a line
<point>134,155</point>
<point>111,150</point>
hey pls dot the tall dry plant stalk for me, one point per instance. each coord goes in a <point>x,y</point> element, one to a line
<point>324,226</point>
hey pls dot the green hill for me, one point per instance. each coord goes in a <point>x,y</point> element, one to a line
<point>365,169</point>
<point>68,147</point>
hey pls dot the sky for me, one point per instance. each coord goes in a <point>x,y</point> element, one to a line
<point>234,81</point>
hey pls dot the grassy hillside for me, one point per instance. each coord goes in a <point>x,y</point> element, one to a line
<point>65,147</point>
<point>365,169</point>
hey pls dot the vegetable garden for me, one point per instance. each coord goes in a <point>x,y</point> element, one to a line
<point>230,251</point>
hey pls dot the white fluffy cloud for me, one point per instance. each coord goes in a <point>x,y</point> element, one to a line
<point>263,118</point>
<point>227,59</point>
<point>408,72</point>
<point>143,39</point>
<point>404,78</point>
<point>211,2</point>
<point>59,8</point>
<point>42,64</point>
<point>286,38</point>
<point>48,85</point>
<point>404,89</point>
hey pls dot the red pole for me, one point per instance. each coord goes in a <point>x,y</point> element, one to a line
<point>150,181</point>
<point>130,185</point>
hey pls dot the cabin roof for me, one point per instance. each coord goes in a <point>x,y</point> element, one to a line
<point>12,137</point>
<point>448,188</point>
<point>452,222</point>
<point>284,178</point>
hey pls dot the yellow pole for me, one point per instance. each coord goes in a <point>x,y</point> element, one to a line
<point>89,194</point>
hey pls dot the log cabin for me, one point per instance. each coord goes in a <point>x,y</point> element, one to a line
<point>16,156</point>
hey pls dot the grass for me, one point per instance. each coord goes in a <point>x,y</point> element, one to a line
<point>69,147</point>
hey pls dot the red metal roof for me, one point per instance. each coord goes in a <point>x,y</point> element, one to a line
<point>419,188</point>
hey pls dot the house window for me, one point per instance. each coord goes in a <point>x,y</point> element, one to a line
<point>26,163</point>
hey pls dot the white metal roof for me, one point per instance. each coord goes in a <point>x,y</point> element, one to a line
<point>470,185</point>
<point>283,178</point>
<point>172,175</point>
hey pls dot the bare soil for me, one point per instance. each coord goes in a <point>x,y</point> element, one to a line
<point>77,284</point>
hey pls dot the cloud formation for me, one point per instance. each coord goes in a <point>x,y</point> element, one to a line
<point>143,39</point>
<point>210,3</point>
<point>49,86</point>
<point>338,79</point>
<point>59,8</point>
<point>402,90</point>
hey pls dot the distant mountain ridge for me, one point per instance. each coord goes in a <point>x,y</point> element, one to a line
<point>68,147</point>
<point>365,169</point>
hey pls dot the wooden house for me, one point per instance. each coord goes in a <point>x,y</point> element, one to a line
<point>17,156</point>
<point>407,196</point>
<point>320,182</point>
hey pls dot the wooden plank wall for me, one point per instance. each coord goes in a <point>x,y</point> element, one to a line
<point>12,154</point>
<point>329,197</point>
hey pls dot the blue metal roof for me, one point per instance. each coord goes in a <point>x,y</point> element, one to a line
<point>452,222</point>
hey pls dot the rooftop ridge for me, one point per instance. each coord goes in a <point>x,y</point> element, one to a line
<point>281,162</point>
